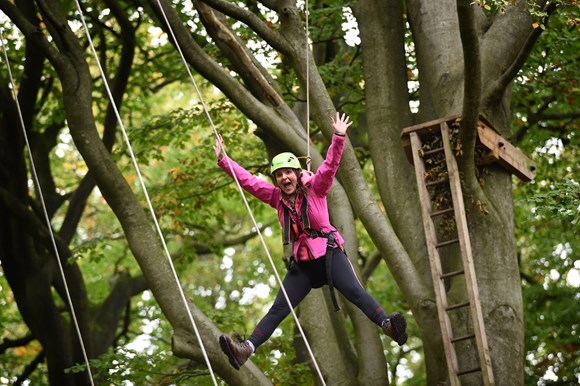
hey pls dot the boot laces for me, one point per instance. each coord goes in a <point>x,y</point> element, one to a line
<point>241,341</point>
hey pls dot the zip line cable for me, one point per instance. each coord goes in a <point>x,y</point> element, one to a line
<point>144,188</point>
<point>218,137</point>
<point>44,210</point>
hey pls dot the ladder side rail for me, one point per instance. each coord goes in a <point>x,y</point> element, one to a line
<point>435,262</point>
<point>467,257</point>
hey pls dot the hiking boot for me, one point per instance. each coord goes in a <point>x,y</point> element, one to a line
<point>237,352</point>
<point>395,327</point>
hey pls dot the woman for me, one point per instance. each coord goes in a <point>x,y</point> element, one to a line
<point>319,257</point>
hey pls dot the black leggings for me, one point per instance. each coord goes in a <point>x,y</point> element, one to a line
<point>312,274</point>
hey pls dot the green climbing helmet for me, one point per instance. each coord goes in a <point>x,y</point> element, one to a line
<point>284,160</point>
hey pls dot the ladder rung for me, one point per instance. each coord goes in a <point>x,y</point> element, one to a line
<point>456,306</point>
<point>460,338</point>
<point>451,274</point>
<point>448,242</point>
<point>437,182</point>
<point>440,212</point>
<point>464,372</point>
<point>433,151</point>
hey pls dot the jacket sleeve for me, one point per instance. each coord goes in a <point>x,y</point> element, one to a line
<point>323,178</point>
<point>258,188</point>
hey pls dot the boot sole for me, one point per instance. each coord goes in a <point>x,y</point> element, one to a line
<point>399,325</point>
<point>225,346</point>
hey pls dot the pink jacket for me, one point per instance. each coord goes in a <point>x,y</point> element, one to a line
<point>318,184</point>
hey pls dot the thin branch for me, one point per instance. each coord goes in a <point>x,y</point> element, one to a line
<point>114,309</point>
<point>11,343</point>
<point>400,356</point>
<point>556,116</point>
<point>370,266</point>
<point>528,278</point>
<point>124,333</point>
<point>30,369</point>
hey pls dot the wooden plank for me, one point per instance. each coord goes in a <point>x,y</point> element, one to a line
<point>422,130</point>
<point>434,261</point>
<point>507,155</point>
<point>467,257</point>
<point>431,127</point>
<point>488,139</point>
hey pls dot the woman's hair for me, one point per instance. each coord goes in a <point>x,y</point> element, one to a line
<point>300,187</point>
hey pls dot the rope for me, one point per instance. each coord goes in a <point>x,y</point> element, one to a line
<point>240,189</point>
<point>308,158</point>
<point>150,205</point>
<point>45,211</point>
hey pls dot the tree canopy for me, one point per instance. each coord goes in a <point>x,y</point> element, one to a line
<point>388,65</point>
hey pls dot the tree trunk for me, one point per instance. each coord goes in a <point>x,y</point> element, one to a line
<point>443,54</point>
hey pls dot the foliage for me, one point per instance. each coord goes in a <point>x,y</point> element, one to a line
<point>548,210</point>
<point>14,359</point>
<point>548,242</point>
<point>560,199</point>
<point>233,283</point>
<point>552,334</point>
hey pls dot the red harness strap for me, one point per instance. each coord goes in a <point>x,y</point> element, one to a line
<point>304,226</point>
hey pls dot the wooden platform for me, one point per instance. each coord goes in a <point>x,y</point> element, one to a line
<point>498,148</point>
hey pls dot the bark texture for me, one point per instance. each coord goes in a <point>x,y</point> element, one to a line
<point>465,60</point>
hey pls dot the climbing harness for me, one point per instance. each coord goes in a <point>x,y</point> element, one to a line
<point>295,225</point>
<point>45,212</point>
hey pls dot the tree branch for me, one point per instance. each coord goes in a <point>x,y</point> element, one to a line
<point>246,65</point>
<point>471,90</point>
<point>121,79</point>
<point>255,23</point>
<point>32,32</point>
<point>11,343</point>
<point>207,67</point>
<point>107,318</point>
<point>370,266</point>
<point>30,369</point>
<point>76,207</point>
<point>555,116</point>
<point>496,89</point>
<point>119,86</point>
<point>36,228</point>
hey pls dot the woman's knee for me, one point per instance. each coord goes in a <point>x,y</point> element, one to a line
<point>354,293</point>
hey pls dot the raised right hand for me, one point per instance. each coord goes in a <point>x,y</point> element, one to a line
<point>219,147</point>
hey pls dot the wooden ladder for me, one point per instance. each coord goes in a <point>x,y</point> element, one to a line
<point>430,212</point>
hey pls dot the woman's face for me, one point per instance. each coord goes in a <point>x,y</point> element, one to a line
<point>287,180</point>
